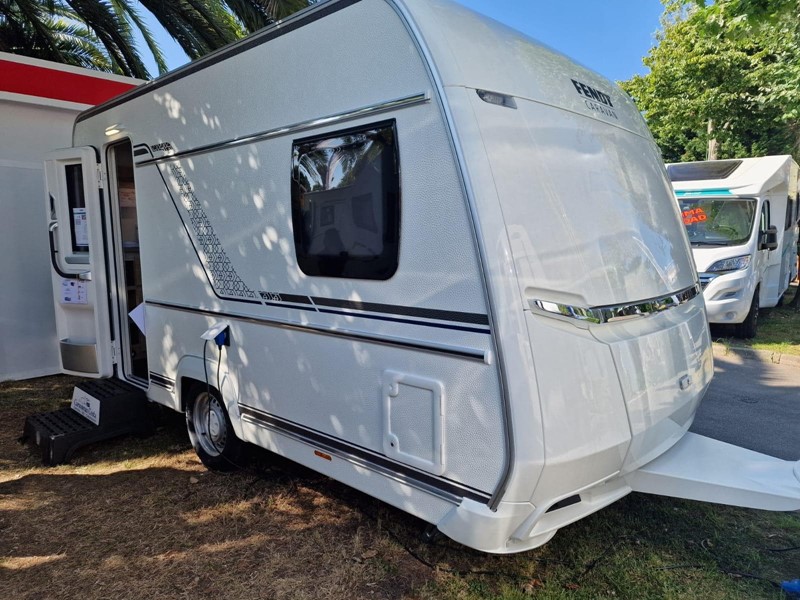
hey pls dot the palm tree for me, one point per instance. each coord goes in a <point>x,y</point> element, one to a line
<point>100,33</point>
<point>60,38</point>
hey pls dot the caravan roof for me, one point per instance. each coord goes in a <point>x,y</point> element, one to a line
<point>467,50</point>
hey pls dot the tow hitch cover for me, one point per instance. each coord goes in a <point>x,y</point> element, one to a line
<point>699,468</point>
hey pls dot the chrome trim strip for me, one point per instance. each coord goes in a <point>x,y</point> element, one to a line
<point>706,278</point>
<point>484,356</point>
<point>162,381</point>
<point>609,314</point>
<point>404,474</point>
<point>364,111</point>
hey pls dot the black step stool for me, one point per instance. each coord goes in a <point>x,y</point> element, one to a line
<point>123,410</point>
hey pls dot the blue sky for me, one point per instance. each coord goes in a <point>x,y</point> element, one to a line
<point>609,36</point>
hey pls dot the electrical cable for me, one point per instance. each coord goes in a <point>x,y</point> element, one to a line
<point>792,549</point>
<point>219,364</point>
<point>205,367</point>
<point>208,398</point>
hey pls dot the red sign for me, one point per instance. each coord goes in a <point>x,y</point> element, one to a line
<point>694,215</point>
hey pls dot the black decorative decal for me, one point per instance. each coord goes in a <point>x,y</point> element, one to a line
<point>162,147</point>
<point>222,274</point>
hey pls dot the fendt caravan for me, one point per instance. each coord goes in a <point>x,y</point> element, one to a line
<point>412,249</point>
<point>742,220</point>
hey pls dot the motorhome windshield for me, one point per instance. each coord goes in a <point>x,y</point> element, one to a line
<point>718,221</point>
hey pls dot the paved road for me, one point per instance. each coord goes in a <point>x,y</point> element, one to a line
<point>753,404</point>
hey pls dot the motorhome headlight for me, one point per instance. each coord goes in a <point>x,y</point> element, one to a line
<point>727,265</point>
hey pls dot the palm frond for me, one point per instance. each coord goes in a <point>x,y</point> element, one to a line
<point>128,13</point>
<point>100,18</point>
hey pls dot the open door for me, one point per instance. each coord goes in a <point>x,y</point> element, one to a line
<point>79,257</point>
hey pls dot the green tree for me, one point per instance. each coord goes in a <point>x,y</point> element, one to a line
<point>100,33</point>
<point>722,75</point>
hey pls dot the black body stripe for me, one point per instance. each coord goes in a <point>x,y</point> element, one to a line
<point>405,321</point>
<point>268,34</point>
<point>279,305</point>
<point>281,297</point>
<point>407,311</point>
<point>140,151</point>
<point>455,491</point>
<point>162,381</point>
<point>475,354</point>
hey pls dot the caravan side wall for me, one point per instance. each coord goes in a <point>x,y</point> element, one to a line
<point>399,372</point>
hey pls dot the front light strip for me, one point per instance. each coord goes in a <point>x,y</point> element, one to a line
<point>608,314</point>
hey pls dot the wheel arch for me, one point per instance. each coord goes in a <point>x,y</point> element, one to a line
<point>190,372</point>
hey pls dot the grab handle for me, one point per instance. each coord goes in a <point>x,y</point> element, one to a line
<point>54,251</point>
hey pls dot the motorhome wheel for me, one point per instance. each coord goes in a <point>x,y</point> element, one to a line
<point>747,328</point>
<point>210,431</point>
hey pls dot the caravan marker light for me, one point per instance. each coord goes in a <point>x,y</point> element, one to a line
<point>113,129</point>
<point>496,98</point>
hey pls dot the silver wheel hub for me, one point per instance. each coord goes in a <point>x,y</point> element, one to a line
<point>210,425</point>
<point>213,425</point>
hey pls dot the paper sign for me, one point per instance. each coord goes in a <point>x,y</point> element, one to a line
<point>86,405</point>
<point>80,226</point>
<point>694,215</point>
<point>137,316</point>
<point>73,291</point>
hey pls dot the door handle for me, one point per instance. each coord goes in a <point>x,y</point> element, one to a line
<point>53,251</point>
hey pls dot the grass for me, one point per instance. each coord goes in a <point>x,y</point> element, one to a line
<point>778,329</point>
<point>136,518</point>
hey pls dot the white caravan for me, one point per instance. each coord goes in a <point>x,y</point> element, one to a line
<point>742,220</point>
<point>412,249</point>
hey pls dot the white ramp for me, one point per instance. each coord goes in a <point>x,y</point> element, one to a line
<point>699,468</point>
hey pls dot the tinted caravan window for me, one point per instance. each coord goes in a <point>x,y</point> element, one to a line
<point>346,203</point>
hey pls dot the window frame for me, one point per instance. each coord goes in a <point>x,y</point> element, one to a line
<point>376,268</point>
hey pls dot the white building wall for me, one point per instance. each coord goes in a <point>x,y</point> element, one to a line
<point>28,344</point>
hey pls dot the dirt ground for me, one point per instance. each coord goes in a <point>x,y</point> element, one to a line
<point>144,519</point>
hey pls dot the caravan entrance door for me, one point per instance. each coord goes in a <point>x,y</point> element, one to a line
<point>79,262</point>
<point>127,268</point>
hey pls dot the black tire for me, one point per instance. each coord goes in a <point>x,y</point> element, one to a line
<point>748,328</point>
<point>211,432</point>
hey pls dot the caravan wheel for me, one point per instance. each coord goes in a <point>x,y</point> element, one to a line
<point>211,432</point>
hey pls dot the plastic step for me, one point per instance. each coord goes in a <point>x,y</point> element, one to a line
<point>122,408</point>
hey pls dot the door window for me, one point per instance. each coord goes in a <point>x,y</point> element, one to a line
<point>76,202</point>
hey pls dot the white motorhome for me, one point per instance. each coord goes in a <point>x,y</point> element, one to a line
<point>742,220</point>
<point>412,249</point>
